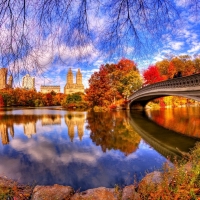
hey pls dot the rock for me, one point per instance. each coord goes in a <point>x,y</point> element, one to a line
<point>55,192</point>
<point>129,193</point>
<point>150,181</point>
<point>152,178</point>
<point>100,193</point>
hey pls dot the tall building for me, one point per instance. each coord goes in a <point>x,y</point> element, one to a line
<point>49,88</point>
<point>10,82</point>
<point>3,78</point>
<point>72,87</point>
<point>28,82</point>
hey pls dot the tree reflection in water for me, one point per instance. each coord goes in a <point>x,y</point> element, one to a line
<point>185,120</point>
<point>111,130</point>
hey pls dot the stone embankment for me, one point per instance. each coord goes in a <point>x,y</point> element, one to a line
<point>60,192</point>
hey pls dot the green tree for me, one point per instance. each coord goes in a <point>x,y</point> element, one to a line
<point>129,83</point>
<point>73,98</point>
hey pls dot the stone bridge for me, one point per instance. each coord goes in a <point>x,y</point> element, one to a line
<point>188,86</point>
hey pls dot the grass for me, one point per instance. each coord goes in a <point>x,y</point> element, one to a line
<point>12,190</point>
<point>182,181</point>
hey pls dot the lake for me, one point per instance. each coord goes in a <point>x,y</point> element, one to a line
<point>85,150</point>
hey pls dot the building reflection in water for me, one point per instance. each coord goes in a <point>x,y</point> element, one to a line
<point>51,120</point>
<point>75,120</point>
<point>72,120</point>
<point>29,129</point>
<point>4,133</point>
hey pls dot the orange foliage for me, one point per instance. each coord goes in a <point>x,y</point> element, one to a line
<point>113,131</point>
<point>182,120</point>
<point>126,65</point>
<point>22,97</point>
<point>171,70</point>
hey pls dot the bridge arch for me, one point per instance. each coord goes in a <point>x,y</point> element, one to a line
<point>188,86</point>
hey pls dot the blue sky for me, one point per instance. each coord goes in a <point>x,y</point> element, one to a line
<point>178,38</point>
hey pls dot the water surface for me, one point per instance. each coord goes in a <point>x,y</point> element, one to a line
<point>82,149</point>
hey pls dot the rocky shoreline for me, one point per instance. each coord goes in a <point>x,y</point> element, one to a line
<point>60,192</point>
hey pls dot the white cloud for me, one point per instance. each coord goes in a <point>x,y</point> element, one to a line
<point>195,49</point>
<point>175,45</point>
<point>182,3</point>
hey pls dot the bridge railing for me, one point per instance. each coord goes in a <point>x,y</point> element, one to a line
<point>181,82</point>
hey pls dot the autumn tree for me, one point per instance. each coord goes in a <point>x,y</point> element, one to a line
<point>124,77</point>
<point>98,93</point>
<point>152,75</point>
<point>197,64</point>
<point>171,71</point>
<point>183,64</point>
<point>23,97</point>
<point>163,68</point>
<point>113,81</point>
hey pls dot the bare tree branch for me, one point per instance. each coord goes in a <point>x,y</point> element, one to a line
<point>30,25</point>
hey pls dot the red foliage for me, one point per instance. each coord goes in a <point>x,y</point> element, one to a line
<point>113,107</point>
<point>99,89</point>
<point>152,75</point>
<point>162,103</point>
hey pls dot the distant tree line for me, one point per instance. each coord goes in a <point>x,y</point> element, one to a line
<point>22,97</point>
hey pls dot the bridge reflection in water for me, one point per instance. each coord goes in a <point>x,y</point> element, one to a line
<point>166,142</point>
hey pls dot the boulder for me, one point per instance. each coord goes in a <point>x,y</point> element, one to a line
<point>150,182</point>
<point>129,193</point>
<point>152,178</point>
<point>100,193</point>
<point>55,192</point>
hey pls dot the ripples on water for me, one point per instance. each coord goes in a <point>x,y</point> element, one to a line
<point>80,149</point>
